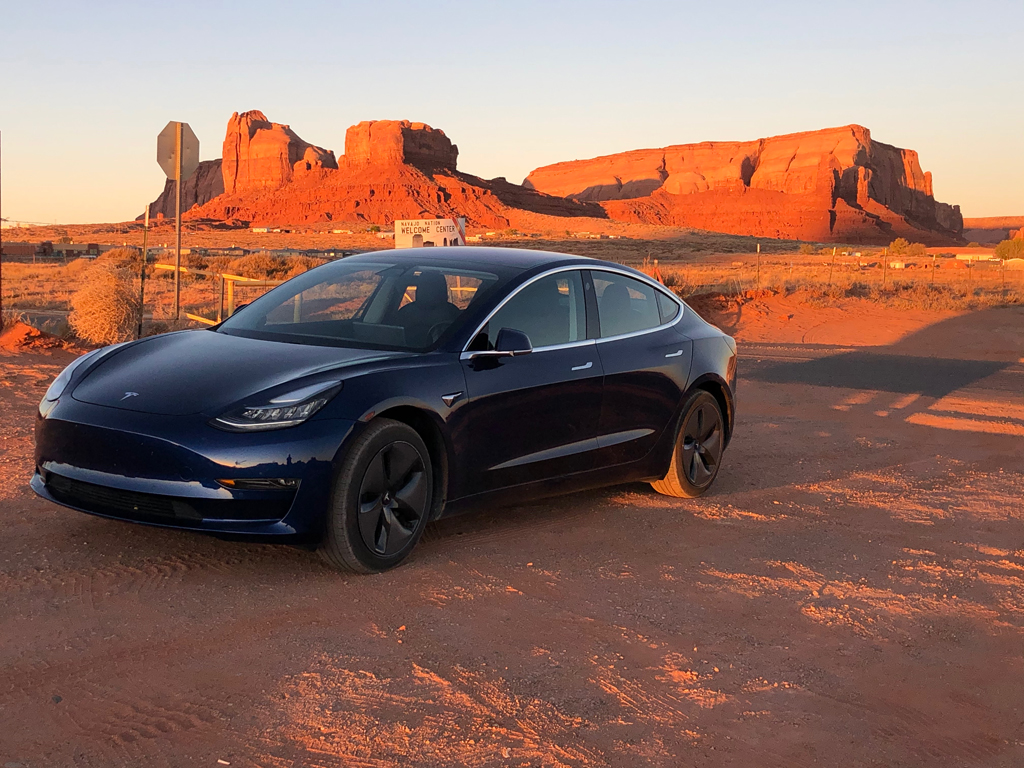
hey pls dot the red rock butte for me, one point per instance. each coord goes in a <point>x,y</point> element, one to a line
<point>835,184</point>
<point>830,185</point>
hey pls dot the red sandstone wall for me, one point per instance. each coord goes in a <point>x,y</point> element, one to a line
<point>198,189</point>
<point>879,184</point>
<point>259,154</point>
<point>397,142</point>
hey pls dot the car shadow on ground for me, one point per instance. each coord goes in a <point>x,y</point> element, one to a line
<point>928,376</point>
<point>934,361</point>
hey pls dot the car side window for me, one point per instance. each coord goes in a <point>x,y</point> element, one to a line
<point>550,311</point>
<point>624,305</point>
<point>669,308</point>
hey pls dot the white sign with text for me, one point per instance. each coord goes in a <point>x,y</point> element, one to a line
<point>426,233</point>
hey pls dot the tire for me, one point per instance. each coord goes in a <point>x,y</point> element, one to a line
<point>381,499</point>
<point>699,445</point>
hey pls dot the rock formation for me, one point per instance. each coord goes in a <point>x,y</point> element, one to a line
<point>398,142</point>
<point>391,169</point>
<point>830,185</point>
<point>992,229</point>
<point>199,188</point>
<point>261,155</point>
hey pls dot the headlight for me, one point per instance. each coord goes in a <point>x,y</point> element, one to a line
<point>285,410</point>
<point>56,389</point>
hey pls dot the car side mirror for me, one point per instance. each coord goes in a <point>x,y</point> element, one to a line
<point>510,343</point>
<point>513,342</point>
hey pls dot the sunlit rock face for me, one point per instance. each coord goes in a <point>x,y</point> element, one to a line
<point>261,155</point>
<point>833,184</point>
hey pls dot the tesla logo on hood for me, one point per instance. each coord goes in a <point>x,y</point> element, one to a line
<point>129,394</point>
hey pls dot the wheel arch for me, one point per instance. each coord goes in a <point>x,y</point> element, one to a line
<point>427,425</point>
<point>718,388</point>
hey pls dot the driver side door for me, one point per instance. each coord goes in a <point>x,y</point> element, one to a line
<point>531,417</point>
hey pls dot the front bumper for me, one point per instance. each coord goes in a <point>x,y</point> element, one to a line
<point>163,471</point>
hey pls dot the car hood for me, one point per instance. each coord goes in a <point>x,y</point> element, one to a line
<point>205,371</point>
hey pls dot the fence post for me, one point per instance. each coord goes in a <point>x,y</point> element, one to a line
<point>758,286</point>
<point>231,297</point>
<point>220,307</point>
<point>885,265</point>
<point>142,274</point>
<point>832,267</point>
<point>933,268</point>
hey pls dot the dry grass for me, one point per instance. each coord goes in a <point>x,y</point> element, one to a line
<point>690,262</point>
<point>105,310</point>
<point>820,283</point>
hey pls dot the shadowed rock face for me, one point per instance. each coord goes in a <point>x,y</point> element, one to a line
<point>261,155</point>
<point>834,184</point>
<point>198,189</point>
<point>398,142</point>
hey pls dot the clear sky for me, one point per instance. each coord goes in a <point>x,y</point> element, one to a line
<point>85,86</point>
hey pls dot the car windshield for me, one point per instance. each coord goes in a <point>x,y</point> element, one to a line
<point>379,304</point>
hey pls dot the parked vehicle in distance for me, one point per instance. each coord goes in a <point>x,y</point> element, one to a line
<point>351,405</point>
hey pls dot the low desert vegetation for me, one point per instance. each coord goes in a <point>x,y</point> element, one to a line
<point>1010,249</point>
<point>105,310</point>
<point>903,247</point>
<point>101,295</point>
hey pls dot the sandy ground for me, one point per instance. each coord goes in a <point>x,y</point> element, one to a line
<point>851,593</point>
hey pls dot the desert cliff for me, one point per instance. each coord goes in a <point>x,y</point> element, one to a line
<point>833,184</point>
<point>391,169</point>
<point>830,185</point>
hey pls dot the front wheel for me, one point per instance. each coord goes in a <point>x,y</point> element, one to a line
<point>381,501</point>
<point>698,450</point>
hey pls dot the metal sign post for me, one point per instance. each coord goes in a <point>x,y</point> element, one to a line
<point>177,151</point>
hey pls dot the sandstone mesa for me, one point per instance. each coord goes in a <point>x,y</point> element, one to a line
<point>836,184</point>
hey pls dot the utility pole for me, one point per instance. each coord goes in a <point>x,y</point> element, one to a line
<point>142,273</point>
<point>832,267</point>
<point>1,237</point>
<point>885,265</point>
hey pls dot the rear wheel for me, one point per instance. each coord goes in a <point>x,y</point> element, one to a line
<point>698,450</point>
<point>381,500</point>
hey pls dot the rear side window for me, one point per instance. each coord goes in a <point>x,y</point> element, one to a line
<point>550,311</point>
<point>669,308</point>
<point>625,305</point>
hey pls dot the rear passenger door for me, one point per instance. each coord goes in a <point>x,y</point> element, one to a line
<point>646,363</point>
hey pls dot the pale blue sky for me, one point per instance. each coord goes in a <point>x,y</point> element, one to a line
<point>86,86</point>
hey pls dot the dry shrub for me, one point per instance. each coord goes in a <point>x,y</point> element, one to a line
<point>266,266</point>
<point>259,266</point>
<point>300,264</point>
<point>75,269</point>
<point>8,319</point>
<point>105,310</point>
<point>121,258</point>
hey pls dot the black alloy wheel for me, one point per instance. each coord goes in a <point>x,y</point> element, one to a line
<point>702,444</point>
<point>383,495</point>
<point>392,499</point>
<point>697,456</point>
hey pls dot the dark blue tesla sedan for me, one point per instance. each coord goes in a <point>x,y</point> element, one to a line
<point>351,405</point>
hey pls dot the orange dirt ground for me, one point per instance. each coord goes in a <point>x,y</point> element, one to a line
<point>850,593</point>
